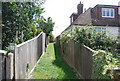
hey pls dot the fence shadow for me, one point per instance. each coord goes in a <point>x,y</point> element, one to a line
<point>59,61</point>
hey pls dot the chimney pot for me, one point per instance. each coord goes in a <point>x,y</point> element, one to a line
<point>80,8</point>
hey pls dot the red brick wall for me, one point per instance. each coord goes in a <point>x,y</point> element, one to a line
<point>75,16</point>
<point>97,18</point>
<point>80,8</point>
<point>119,19</point>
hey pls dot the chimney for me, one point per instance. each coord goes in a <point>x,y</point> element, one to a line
<point>119,3</point>
<point>80,8</point>
<point>119,13</point>
<point>119,8</point>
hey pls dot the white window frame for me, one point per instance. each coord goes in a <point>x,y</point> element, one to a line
<point>0,11</point>
<point>107,12</point>
<point>72,18</point>
<point>119,10</point>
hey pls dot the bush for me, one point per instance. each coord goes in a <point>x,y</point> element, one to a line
<point>51,37</point>
<point>98,41</point>
<point>89,37</point>
<point>102,61</point>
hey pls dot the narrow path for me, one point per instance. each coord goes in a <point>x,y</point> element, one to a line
<point>52,66</point>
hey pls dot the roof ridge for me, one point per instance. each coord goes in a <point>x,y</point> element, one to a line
<point>107,5</point>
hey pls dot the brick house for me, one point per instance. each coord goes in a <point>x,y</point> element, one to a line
<point>100,15</point>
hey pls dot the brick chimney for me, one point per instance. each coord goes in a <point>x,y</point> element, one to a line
<point>119,12</point>
<point>80,8</point>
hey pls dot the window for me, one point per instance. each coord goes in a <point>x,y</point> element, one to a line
<point>0,11</point>
<point>108,12</point>
<point>71,19</point>
<point>100,29</point>
<point>119,10</point>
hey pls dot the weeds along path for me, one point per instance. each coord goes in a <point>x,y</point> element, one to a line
<point>52,66</point>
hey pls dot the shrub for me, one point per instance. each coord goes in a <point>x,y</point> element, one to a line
<point>51,37</point>
<point>98,41</point>
<point>89,37</point>
<point>102,61</point>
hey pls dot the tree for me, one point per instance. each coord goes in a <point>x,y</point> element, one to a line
<point>46,25</point>
<point>20,21</point>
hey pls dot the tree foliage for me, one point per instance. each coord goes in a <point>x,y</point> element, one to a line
<point>20,21</point>
<point>46,24</point>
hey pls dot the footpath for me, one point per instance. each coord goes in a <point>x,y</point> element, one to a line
<point>52,66</point>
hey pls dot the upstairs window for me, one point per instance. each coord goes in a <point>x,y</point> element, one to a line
<point>119,10</point>
<point>108,12</point>
<point>71,19</point>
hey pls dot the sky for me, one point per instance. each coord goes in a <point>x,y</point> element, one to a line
<point>60,11</point>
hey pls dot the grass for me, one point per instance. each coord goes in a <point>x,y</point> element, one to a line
<point>52,66</point>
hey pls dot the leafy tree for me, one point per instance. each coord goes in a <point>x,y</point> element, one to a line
<point>46,25</point>
<point>20,21</point>
<point>51,37</point>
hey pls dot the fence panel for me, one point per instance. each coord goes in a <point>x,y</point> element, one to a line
<point>86,56</point>
<point>78,57</point>
<point>2,71</point>
<point>69,53</point>
<point>27,54</point>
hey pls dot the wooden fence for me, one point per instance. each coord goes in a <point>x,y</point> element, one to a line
<point>6,65</point>
<point>25,57</point>
<point>78,57</point>
<point>27,54</point>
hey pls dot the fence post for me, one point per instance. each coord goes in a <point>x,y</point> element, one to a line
<point>1,25</point>
<point>1,68</point>
<point>2,64</point>
<point>9,66</point>
<point>43,42</point>
<point>12,49</point>
<point>6,65</point>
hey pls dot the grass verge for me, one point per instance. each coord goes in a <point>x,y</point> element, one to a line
<point>52,66</point>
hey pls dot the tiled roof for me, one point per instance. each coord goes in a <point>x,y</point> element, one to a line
<point>100,5</point>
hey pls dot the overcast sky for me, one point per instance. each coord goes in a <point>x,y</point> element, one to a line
<point>60,10</point>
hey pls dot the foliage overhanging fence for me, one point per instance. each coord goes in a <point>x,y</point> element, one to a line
<point>26,55</point>
<point>78,57</point>
<point>86,62</point>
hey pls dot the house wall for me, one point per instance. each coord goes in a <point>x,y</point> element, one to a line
<point>98,20</point>
<point>119,15</point>
<point>84,18</point>
<point>110,31</point>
